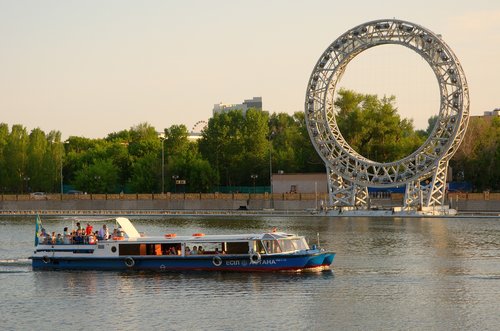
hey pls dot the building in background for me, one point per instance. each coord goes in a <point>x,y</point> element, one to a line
<point>255,102</point>
<point>488,115</point>
<point>300,183</point>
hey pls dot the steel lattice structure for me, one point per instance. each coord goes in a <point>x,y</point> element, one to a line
<point>350,174</point>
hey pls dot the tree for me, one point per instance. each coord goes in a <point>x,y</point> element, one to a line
<point>373,128</point>
<point>15,153</point>
<point>4,136</point>
<point>236,145</point>
<point>176,140</point>
<point>145,174</point>
<point>98,177</point>
<point>292,151</point>
<point>477,159</point>
<point>37,148</point>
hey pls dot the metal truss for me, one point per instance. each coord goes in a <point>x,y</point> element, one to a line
<point>349,173</point>
<point>346,193</point>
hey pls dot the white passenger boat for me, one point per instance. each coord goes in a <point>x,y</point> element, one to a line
<point>129,250</point>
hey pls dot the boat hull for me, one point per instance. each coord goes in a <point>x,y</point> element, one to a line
<point>243,263</point>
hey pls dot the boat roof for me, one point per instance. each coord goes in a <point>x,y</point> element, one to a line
<point>218,238</point>
<point>128,227</point>
<point>132,233</point>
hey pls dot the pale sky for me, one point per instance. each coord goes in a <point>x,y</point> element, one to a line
<point>92,67</point>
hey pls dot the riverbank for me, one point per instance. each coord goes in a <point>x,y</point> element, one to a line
<point>213,204</point>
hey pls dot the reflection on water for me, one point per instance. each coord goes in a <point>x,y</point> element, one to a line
<point>430,274</point>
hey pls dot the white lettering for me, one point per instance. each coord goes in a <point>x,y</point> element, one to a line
<point>268,262</point>
<point>232,262</point>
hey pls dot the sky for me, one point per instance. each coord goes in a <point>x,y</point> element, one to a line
<point>92,67</point>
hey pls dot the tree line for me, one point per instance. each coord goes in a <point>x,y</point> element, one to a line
<point>235,149</point>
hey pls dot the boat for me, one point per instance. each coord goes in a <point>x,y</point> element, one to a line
<point>130,250</point>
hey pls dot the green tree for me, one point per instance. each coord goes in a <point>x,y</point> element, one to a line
<point>477,160</point>
<point>176,140</point>
<point>98,177</point>
<point>236,145</point>
<point>185,161</point>
<point>4,136</point>
<point>292,151</point>
<point>373,127</point>
<point>15,153</point>
<point>37,147</point>
<point>143,140</point>
<point>145,174</point>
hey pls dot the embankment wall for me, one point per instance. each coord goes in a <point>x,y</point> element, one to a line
<point>465,202</point>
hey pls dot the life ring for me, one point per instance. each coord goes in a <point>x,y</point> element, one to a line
<point>255,257</point>
<point>129,262</point>
<point>46,259</point>
<point>198,234</point>
<point>118,238</point>
<point>170,235</point>
<point>217,261</point>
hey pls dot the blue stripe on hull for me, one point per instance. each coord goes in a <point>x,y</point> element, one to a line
<point>165,263</point>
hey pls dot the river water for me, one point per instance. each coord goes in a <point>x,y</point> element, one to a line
<point>389,274</point>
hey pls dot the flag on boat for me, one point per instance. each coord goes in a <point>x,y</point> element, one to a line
<point>38,229</point>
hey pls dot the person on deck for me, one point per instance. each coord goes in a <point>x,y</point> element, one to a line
<point>66,236</point>
<point>103,233</point>
<point>88,229</point>
<point>42,238</point>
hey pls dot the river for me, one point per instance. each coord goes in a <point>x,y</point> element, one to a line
<point>389,274</point>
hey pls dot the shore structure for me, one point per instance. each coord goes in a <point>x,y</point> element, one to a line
<point>223,204</point>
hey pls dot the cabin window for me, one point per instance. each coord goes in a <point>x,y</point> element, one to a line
<point>237,248</point>
<point>286,245</point>
<point>272,246</point>
<point>291,245</point>
<point>150,249</point>
<point>300,244</point>
<point>207,248</point>
<point>133,249</point>
<point>259,247</point>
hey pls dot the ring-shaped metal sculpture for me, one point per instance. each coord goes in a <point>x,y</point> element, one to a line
<point>453,113</point>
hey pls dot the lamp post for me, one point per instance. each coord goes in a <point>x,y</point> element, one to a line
<point>97,184</point>
<point>271,135</point>
<point>175,177</point>
<point>61,165</point>
<point>61,173</point>
<point>26,179</point>
<point>162,139</point>
<point>254,177</point>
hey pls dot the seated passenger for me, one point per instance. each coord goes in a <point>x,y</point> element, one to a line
<point>187,251</point>
<point>200,250</point>
<point>42,238</point>
<point>53,238</point>
<point>172,251</point>
<point>67,239</point>
<point>194,251</point>
<point>59,239</point>
<point>78,237</point>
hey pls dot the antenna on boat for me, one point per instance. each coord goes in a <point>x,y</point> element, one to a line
<point>317,235</point>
